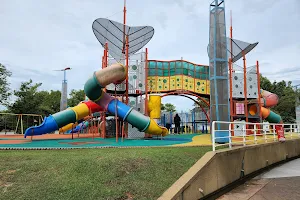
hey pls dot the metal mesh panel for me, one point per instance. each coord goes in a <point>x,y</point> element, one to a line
<point>219,97</point>
<point>136,73</point>
<point>134,133</point>
<point>111,32</point>
<point>238,48</point>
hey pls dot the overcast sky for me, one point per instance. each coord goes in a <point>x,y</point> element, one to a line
<point>38,37</point>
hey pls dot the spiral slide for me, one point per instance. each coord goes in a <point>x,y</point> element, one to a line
<point>99,100</point>
<point>64,119</point>
<point>268,100</point>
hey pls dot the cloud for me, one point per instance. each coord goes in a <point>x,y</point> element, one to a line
<point>38,37</point>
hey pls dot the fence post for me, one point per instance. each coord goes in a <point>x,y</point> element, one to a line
<point>213,135</point>
<point>274,131</point>
<point>265,133</point>
<point>291,131</point>
<point>229,135</point>
<point>244,135</point>
<point>255,138</point>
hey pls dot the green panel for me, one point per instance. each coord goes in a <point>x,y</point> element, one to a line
<point>191,67</point>
<point>137,119</point>
<point>92,88</point>
<point>185,71</point>
<point>204,76</point>
<point>172,72</point>
<point>185,65</point>
<point>152,64</point>
<point>159,65</point>
<point>172,65</point>
<point>191,73</point>
<point>179,71</point>
<point>64,117</point>
<point>178,64</point>
<point>159,72</point>
<point>166,72</point>
<point>151,72</point>
<point>166,65</point>
<point>177,68</point>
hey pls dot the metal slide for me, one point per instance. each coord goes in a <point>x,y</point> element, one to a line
<point>99,100</point>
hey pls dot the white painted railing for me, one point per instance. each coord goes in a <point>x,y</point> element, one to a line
<point>249,133</point>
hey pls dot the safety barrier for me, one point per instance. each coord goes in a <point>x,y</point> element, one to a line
<point>249,133</point>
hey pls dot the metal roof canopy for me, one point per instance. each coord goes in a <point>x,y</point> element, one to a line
<point>238,47</point>
<point>113,33</point>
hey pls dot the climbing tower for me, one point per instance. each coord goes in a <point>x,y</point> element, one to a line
<point>218,68</point>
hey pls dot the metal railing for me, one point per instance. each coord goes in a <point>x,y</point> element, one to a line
<point>248,133</point>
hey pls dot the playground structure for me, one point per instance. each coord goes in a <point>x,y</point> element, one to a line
<point>128,77</point>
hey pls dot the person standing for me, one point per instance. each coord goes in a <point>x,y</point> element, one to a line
<point>177,123</point>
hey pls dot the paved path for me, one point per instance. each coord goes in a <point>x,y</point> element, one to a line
<point>280,183</point>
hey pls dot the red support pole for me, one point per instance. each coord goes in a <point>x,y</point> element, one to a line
<point>230,89</point>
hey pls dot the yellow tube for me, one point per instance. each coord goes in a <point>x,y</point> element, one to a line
<point>67,127</point>
<point>154,106</point>
<point>81,111</point>
<point>155,129</point>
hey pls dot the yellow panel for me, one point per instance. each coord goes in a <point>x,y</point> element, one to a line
<point>159,84</point>
<point>197,85</point>
<point>173,82</point>
<point>185,82</point>
<point>151,83</point>
<point>208,87</point>
<point>178,82</point>
<point>165,83</point>
<point>191,84</point>
<point>203,87</point>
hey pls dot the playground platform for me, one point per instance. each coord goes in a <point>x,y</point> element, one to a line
<point>60,141</point>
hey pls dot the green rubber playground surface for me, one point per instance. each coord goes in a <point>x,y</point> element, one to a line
<point>99,142</point>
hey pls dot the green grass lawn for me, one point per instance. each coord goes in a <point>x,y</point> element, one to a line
<point>117,174</point>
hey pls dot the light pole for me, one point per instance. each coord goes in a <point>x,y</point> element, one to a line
<point>64,90</point>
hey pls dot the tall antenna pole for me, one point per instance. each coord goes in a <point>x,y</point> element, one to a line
<point>231,34</point>
<point>124,27</point>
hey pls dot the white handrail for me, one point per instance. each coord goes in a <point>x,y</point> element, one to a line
<point>253,133</point>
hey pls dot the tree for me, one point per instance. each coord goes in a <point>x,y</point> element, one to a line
<point>170,107</point>
<point>4,85</point>
<point>31,101</point>
<point>76,96</point>
<point>26,102</point>
<point>287,98</point>
<point>51,101</point>
<point>162,106</point>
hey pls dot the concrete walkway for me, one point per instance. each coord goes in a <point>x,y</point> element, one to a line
<point>280,183</point>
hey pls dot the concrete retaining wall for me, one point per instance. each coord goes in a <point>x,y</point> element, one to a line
<point>218,169</point>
